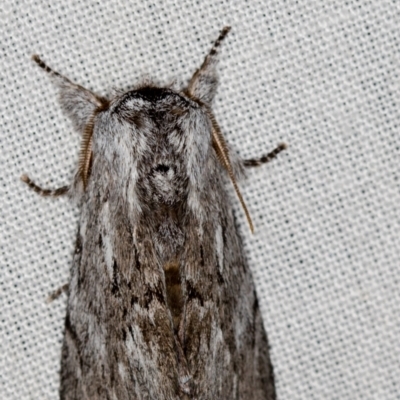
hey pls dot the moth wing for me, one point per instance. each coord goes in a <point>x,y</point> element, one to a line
<point>224,339</point>
<point>118,340</point>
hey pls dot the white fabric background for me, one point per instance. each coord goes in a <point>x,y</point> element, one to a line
<point>320,76</point>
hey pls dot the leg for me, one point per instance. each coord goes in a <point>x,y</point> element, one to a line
<point>50,71</point>
<point>45,192</point>
<point>78,103</point>
<point>264,159</point>
<point>203,83</point>
<point>64,83</point>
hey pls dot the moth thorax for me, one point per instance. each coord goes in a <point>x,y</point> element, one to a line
<point>165,178</point>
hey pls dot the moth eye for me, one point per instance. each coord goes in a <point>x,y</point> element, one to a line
<point>161,168</point>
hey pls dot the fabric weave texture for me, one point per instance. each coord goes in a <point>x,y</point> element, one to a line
<point>321,77</point>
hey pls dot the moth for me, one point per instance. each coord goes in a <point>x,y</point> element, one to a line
<point>161,302</point>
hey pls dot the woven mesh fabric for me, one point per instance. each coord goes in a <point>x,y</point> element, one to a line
<point>321,76</point>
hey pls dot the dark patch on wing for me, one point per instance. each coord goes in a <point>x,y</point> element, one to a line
<point>192,293</point>
<point>255,311</point>
<point>137,262</point>
<point>134,300</point>
<point>115,284</point>
<point>201,256</point>
<point>71,331</point>
<point>174,291</point>
<point>151,294</point>
<point>131,332</point>
<point>78,244</point>
<point>220,277</point>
